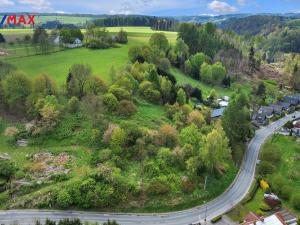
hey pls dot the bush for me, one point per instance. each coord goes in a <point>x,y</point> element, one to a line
<point>126,108</point>
<point>110,101</point>
<point>216,219</point>
<point>11,131</point>
<point>63,199</point>
<point>188,185</point>
<point>73,104</point>
<point>296,201</point>
<point>158,187</point>
<point>285,192</point>
<point>119,93</point>
<point>266,168</point>
<point>168,136</point>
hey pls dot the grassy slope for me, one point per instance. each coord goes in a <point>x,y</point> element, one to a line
<point>289,148</point>
<point>290,152</point>
<point>57,65</point>
<point>183,79</point>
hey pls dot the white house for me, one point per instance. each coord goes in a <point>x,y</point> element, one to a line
<point>56,41</point>
<point>76,44</point>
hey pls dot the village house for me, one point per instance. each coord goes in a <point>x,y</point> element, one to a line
<point>278,109</point>
<point>217,113</point>
<point>253,219</point>
<point>292,99</point>
<point>76,44</point>
<point>287,104</point>
<point>296,129</point>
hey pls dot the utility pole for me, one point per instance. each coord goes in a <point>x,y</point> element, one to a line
<point>205,214</point>
<point>205,183</point>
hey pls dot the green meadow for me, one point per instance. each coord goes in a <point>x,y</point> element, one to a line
<point>57,64</point>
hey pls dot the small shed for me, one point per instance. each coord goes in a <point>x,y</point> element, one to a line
<point>217,113</point>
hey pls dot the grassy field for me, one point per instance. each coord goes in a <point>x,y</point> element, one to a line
<point>63,19</point>
<point>57,65</point>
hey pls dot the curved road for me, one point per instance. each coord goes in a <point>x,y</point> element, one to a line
<point>222,204</point>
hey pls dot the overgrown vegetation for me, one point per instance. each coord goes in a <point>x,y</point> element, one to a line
<point>114,157</point>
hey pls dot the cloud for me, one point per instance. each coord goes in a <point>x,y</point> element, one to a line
<point>221,7</point>
<point>5,3</point>
<point>242,2</point>
<point>40,5</point>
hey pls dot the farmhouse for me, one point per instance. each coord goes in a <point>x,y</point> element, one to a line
<point>76,44</point>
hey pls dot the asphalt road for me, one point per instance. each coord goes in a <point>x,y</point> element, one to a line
<point>222,204</point>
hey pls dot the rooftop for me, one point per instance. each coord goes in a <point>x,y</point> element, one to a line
<point>217,113</point>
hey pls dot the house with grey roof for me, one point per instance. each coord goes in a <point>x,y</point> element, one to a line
<point>216,113</point>
<point>292,99</point>
<point>278,109</point>
<point>285,105</point>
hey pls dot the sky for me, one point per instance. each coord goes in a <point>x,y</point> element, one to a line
<point>152,7</point>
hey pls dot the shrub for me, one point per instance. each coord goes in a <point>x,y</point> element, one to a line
<point>216,219</point>
<point>196,118</point>
<point>158,187</point>
<point>188,185</point>
<point>264,185</point>
<point>110,101</point>
<point>63,199</point>
<point>296,201</point>
<point>266,168</point>
<point>73,104</point>
<point>11,131</point>
<point>119,92</point>
<point>285,192</point>
<point>108,133</point>
<point>168,136</point>
<point>95,85</point>
<point>126,108</point>
<point>7,169</point>
<point>17,88</point>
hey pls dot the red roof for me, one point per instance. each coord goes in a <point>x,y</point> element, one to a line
<point>251,217</point>
<point>297,125</point>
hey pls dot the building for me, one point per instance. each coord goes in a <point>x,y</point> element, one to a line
<point>292,99</point>
<point>285,105</point>
<point>76,44</point>
<point>217,113</point>
<point>296,129</point>
<point>223,102</point>
<point>278,109</point>
<point>56,40</point>
<point>253,219</point>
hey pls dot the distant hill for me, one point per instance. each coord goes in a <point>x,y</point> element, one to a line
<point>260,24</point>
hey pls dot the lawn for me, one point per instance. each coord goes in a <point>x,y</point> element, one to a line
<point>57,65</point>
